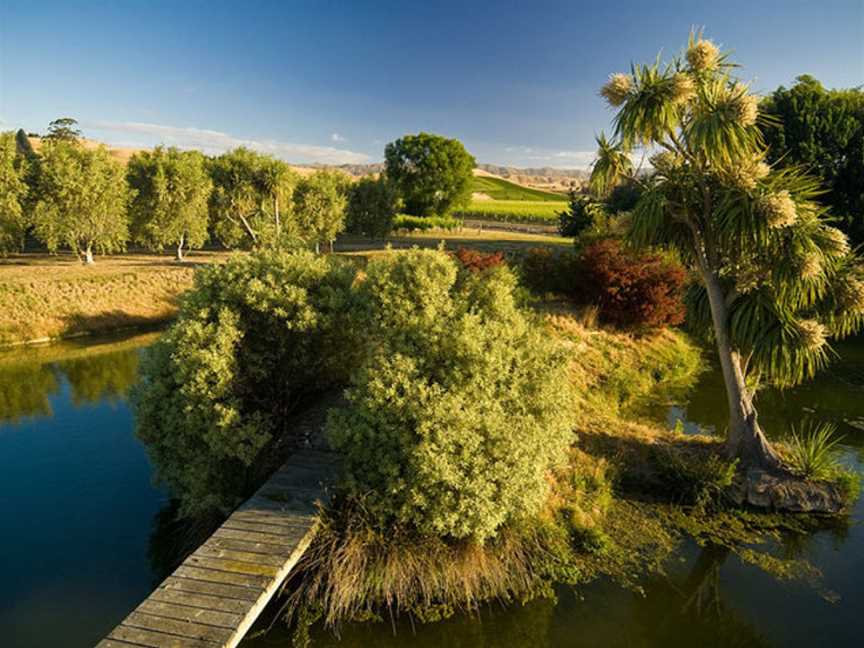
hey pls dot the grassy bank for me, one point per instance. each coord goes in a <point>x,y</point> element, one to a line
<point>54,296</point>
<point>46,296</point>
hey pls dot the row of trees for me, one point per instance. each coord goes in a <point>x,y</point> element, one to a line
<point>77,197</point>
<point>74,196</point>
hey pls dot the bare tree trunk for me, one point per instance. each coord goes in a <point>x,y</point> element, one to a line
<point>745,438</point>
<point>317,247</point>
<point>88,254</point>
<point>278,221</point>
<point>180,247</point>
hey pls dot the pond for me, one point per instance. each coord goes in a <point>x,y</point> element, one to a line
<point>86,535</point>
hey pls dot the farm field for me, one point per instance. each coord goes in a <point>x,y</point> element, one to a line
<point>514,211</point>
<point>501,189</point>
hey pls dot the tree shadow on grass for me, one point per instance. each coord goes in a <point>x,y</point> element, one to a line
<point>113,320</point>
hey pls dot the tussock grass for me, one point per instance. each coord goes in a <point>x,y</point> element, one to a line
<point>812,451</point>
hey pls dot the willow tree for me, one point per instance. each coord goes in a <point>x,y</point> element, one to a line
<point>776,280</point>
<point>169,207</point>
<point>251,198</point>
<point>13,191</point>
<point>82,200</point>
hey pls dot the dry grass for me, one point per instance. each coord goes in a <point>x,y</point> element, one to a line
<point>53,296</point>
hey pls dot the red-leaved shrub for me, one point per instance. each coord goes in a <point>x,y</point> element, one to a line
<point>477,261</point>
<point>631,289</point>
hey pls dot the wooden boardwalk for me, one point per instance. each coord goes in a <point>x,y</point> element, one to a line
<point>214,597</point>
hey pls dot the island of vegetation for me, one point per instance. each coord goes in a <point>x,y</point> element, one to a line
<point>488,406</point>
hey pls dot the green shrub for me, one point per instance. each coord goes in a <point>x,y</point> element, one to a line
<point>461,406</point>
<point>371,207</point>
<point>424,223</point>
<point>254,337</point>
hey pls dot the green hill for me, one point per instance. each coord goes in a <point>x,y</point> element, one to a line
<point>500,189</point>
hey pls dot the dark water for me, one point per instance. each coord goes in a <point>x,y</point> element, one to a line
<point>83,533</point>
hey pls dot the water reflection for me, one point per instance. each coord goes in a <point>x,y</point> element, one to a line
<point>98,371</point>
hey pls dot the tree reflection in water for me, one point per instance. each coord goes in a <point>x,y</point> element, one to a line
<point>95,372</point>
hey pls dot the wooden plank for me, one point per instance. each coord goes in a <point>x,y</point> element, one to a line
<point>177,584</point>
<point>211,551</point>
<point>275,551</point>
<point>196,631</point>
<point>186,612</point>
<point>114,643</point>
<point>202,601</point>
<point>151,639</point>
<point>296,507</point>
<point>250,536</point>
<point>259,527</point>
<point>275,518</point>
<point>229,565</point>
<point>216,576</point>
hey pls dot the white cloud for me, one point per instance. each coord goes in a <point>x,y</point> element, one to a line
<point>211,141</point>
<point>578,159</point>
<point>336,137</point>
<point>526,150</point>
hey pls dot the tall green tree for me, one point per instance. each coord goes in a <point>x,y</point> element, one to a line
<point>319,203</point>
<point>776,280</point>
<point>250,205</point>
<point>82,200</point>
<point>13,192</point>
<point>822,131</point>
<point>63,129</point>
<point>170,205</point>
<point>433,173</point>
<point>372,205</point>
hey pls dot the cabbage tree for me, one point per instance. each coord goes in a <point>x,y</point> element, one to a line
<point>776,280</point>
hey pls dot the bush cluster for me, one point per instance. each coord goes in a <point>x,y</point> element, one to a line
<point>460,409</point>
<point>254,338</point>
<point>630,289</point>
<point>458,406</point>
<point>476,261</point>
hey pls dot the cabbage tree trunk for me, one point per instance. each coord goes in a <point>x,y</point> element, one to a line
<point>182,240</point>
<point>745,439</point>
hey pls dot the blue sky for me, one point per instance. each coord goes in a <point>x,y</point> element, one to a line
<point>335,81</point>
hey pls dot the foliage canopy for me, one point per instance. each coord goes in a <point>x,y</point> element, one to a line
<point>82,199</point>
<point>372,206</point>
<point>250,204</point>
<point>169,207</point>
<point>434,174</point>
<point>254,338</point>
<point>461,406</point>
<point>13,191</point>
<point>822,131</point>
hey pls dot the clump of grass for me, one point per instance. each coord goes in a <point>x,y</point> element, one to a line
<point>812,452</point>
<point>355,571</point>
